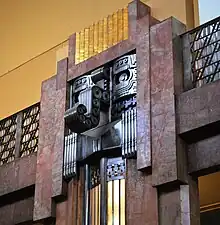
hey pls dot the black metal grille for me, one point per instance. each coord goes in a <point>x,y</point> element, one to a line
<point>19,134</point>
<point>7,139</point>
<point>205,53</point>
<point>30,128</point>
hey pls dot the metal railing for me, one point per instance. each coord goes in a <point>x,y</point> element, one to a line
<point>19,134</point>
<point>201,54</point>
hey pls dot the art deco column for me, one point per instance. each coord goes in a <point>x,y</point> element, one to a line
<point>178,199</point>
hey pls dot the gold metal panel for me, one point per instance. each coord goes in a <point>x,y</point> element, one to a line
<point>116,202</point>
<point>86,53</point>
<point>100,40</point>
<point>77,54</point>
<point>110,31</point>
<point>120,25</point>
<point>115,29</point>
<point>99,204</point>
<point>105,33</point>
<point>92,208</point>
<point>122,201</point>
<point>96,38</point>
<point>102,35</point>
<point>110,203</point>
<point>96,205</point>
<point>91,40</point>
<point>125,23</point>
<point>82,45</point>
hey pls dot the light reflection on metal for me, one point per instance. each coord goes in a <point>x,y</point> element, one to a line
<point>101,35</point>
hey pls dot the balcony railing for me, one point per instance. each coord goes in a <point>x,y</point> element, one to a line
<point>19,134</point>
<point>201,54</point>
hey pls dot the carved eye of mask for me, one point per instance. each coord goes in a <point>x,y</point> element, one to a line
<point>84,80</point>
<point>123,77</point>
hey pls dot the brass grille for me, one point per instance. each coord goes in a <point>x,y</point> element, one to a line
<point>102,35</point>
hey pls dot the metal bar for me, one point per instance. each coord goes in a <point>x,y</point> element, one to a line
<point>135,129</point>
<point>123,134</point>
<point>71,96</point>
<point>64,157</point>
<point>86,195</point>
<point>126,132</point>
<point>111,93</point>
<point>132,131</point>
<point>18,134</point>
<point>103,176</point>
<point>129,132</point>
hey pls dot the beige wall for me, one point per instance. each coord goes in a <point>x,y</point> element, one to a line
<point>30,27</point>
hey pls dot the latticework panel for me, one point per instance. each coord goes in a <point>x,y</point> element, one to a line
<point>30,127</point>
<point>7,139</point>
<point>205,53</point>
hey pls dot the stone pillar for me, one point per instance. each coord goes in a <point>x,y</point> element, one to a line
<point>139,19</point>
<point>49,177</point>
<point>141,196</point>
<point>178,199</point>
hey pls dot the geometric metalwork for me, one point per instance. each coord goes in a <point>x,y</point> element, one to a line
<point>30,128</point>
<point>90,97</point>
<point>102,116</point>
<point>115,169</point>
<point>94,176</point>
<point>205,53</point>
<point>7,139</point>
<point>69,164</point>
<point>104,198</point>
<point>102,113</point>
<point>19,134</point>
<point>124,101</point>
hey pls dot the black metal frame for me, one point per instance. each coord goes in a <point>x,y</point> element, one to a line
<point>7,139</point>
<point>107,169</point>
<point>30,128</point>
<point>204,44</point>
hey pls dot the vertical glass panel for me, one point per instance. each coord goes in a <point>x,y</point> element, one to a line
<point>122,202</point>
<point>116,202</point>
<point>110,203</point>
